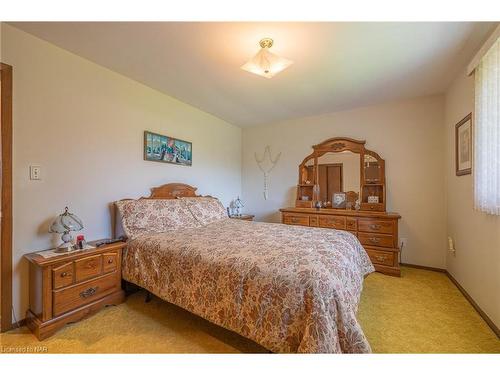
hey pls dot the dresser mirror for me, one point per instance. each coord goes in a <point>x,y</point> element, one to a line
<point>342,165</point>
<point>337,172</point>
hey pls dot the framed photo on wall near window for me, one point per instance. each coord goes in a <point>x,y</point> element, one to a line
<point>463,146</point>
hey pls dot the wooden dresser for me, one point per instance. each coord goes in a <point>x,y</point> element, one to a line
<point>377,231</point>
<point>71,286</point>
<point>340,175</point>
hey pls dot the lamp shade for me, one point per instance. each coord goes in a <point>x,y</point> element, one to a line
<point>266,63</point>
<point>66,222</point>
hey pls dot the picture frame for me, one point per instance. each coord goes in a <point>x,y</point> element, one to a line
<point>165,149</point>
<point>463,146</point>
<point>339,200</point>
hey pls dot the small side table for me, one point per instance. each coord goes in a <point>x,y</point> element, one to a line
<point>243,217</point>
<point>65,288</point>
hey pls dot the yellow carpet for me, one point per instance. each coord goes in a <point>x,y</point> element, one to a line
<point>421,312</point>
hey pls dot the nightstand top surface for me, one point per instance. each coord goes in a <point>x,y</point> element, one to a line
<point>38,259</point>
<point>243,216</point>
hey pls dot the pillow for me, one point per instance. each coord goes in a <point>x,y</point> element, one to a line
<point>205,209</point>
<point>144,216</point>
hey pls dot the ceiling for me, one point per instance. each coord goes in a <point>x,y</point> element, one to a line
<point>336,65</point>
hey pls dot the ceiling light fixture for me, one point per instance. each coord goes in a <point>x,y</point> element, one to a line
<point>265,63</point>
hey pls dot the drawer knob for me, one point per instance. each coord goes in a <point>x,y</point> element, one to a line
<point>110,261</point>
<point>91,265</point>
<point>381,258</point>
<point>375,226</point>
<point>64,274</point>
<point>89,292</point>
<point>374,239</point>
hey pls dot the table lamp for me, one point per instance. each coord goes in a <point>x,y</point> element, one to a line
<point>66,223</point>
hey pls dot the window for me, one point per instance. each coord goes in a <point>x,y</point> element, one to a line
<point>487,132</point>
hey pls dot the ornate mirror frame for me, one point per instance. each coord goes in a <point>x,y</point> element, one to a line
<point>368,186</point>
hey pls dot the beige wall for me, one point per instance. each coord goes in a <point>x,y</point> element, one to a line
<point>84,125</point>
<point>407,134</point>
<point>476,263</point>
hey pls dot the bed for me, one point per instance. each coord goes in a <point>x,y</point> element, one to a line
<point>291,289</point>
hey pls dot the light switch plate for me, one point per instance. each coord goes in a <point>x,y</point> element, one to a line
<point>35,172</point>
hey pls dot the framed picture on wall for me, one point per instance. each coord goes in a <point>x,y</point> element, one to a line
<point>166,149</point>
<point>463,146</point>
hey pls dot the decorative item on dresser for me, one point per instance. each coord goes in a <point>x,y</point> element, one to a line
<point>66,288</point>
<point>362,169</point>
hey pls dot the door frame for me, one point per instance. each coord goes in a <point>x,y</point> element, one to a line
<point>6,198</point>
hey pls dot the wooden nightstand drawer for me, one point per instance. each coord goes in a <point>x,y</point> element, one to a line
<point>62,276</point>
<point>70,298</point>
<point>110,262</point>
<point>88,267</point>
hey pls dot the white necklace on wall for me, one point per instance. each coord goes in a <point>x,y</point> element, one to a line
<point>266,165</point>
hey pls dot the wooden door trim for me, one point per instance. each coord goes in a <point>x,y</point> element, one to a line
<point>6,199</point>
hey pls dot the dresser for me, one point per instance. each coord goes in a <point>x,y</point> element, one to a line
<point>68,287</point>
<point>377,231</point>
<point>342,185</point>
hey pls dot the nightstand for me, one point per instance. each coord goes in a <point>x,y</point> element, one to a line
<point>243,217</point>
<point>66,288</point>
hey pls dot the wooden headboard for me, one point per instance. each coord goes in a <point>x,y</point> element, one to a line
<point>173,191</point>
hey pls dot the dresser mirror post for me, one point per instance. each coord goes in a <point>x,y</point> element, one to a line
<point>343,168</point>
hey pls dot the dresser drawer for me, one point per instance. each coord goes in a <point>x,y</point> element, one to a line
<point>373,239</point>
<point>372,206</point>
<point>337,222</point>
<point>296,219</point>
<point>313,221</point>
<point>110,262</point>
<point>88,267</point>
<point>72,297</point>
<point>351,224</point>
<point>385,258</point>
<point>62,275</point>
<point>376,226</point>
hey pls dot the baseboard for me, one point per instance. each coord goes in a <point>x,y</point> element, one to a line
<point>485,317</point>
<point>442,270</point>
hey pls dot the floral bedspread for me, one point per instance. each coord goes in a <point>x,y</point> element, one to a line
<point>288,288</point>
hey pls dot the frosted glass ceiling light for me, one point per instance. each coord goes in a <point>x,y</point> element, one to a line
<point>265,63</point>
